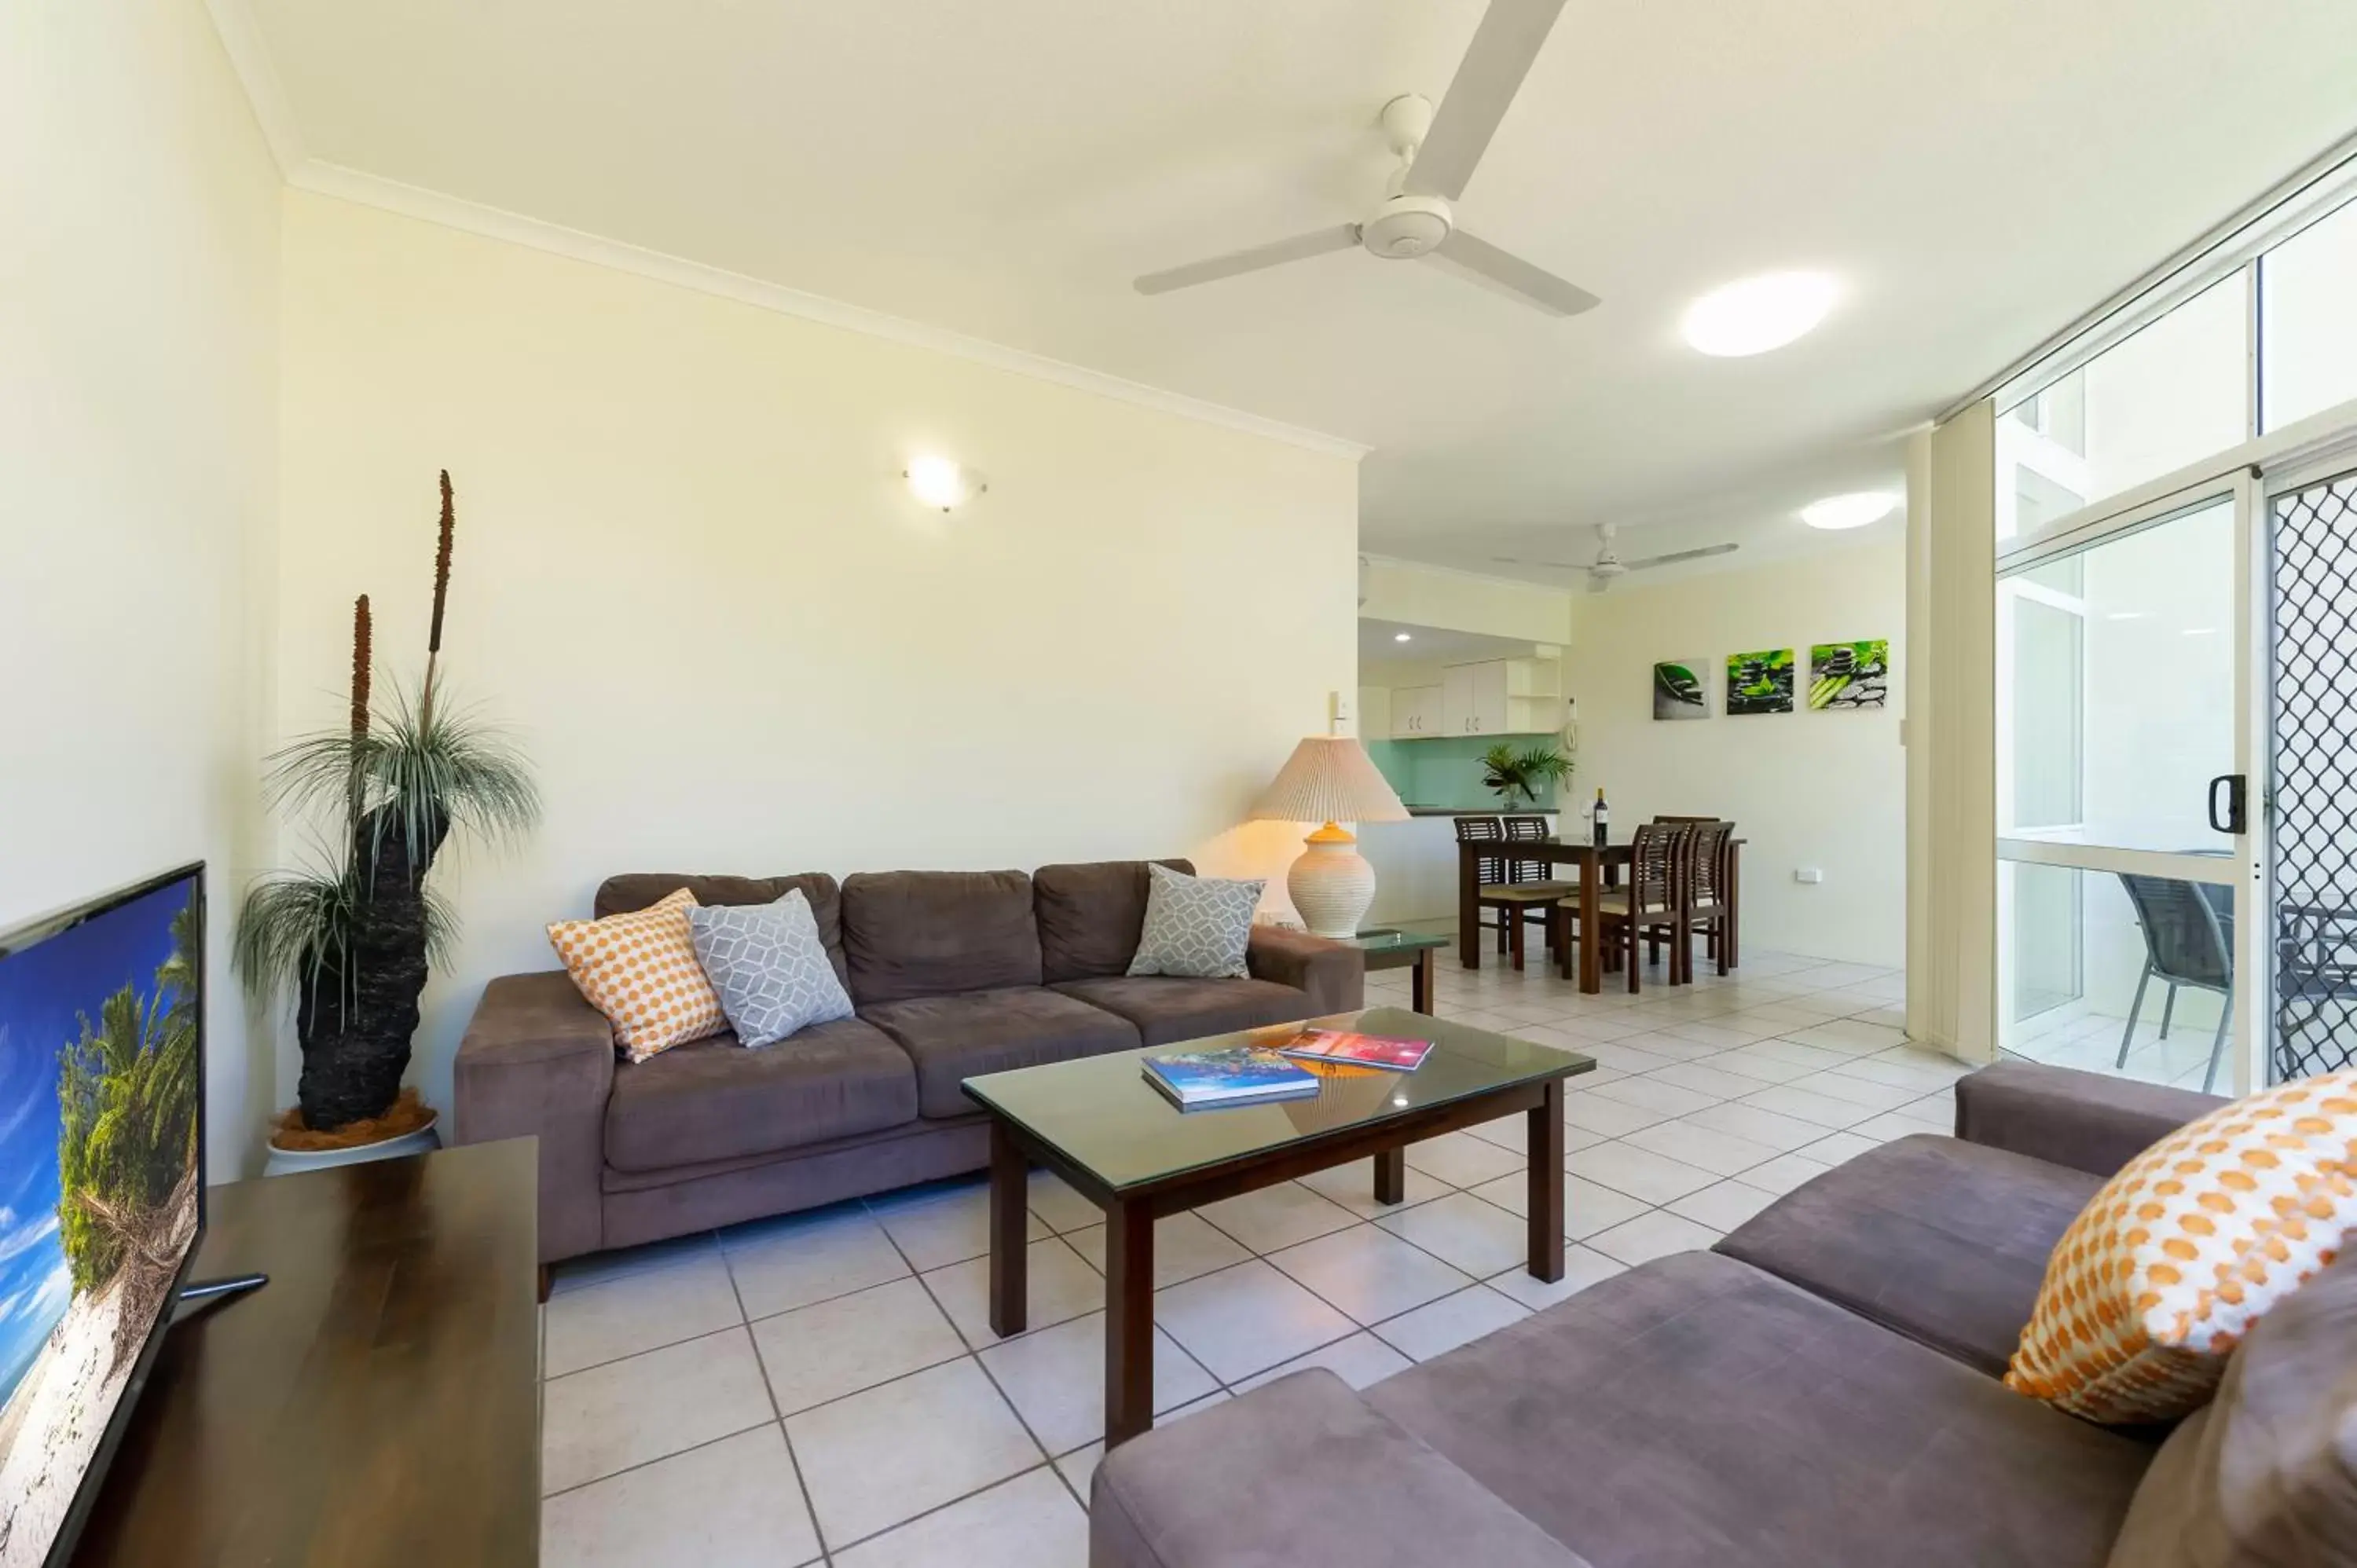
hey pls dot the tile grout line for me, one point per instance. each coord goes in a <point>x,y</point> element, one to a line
<point>769,1391</point>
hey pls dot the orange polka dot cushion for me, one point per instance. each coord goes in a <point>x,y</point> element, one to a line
<point>2169,1265</point>
<point>640,970</point>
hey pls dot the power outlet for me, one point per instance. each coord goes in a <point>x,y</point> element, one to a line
<point>1810,874</point>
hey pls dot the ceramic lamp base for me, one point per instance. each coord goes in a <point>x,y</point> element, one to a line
<point>1331,884</point>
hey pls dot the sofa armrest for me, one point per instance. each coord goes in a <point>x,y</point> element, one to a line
<point>1334,973</point>
<point>2086,1121</point>
<point>1300,1471</point>
<point>538,1061</point>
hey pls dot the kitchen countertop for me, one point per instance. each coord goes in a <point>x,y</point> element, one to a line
<point>1481,810</point>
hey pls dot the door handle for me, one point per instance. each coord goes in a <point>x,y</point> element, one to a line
<point>2232,820</point>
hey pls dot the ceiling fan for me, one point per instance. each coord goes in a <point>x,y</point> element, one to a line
<point>1609,565</point>
<point>1438,154</point>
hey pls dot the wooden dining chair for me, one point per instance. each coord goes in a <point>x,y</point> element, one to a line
<point>1519,899</point>
<point>1651,906</point>
<point>1710,907</point>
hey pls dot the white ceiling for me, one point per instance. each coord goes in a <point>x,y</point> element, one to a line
<point>1381,649</point>
<point>1975,174</point>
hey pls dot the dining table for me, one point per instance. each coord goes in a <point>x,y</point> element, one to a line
<point>1598,864</point>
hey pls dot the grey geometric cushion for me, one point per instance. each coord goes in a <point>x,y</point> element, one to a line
<point>768,967</point>
<point>1196,926</point>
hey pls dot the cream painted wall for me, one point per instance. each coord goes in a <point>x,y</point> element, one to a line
<point>138,300</point>
<point>689,580</point>
<point>1419,594</point>
<point>1825,790</point>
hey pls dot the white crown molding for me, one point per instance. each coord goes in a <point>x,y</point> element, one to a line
<point>413,201</point>
<point>249,57</point>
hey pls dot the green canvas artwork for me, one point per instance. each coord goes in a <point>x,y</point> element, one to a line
<point>1678,690</point>
<point>1760,682</point>
<point>1849,674</point>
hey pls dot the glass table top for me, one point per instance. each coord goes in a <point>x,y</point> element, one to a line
<point>1378,941</point>
<point>1100,1113</point>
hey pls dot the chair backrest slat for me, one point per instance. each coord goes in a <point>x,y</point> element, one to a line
<point>1525,829</point>
<point>1654,871</point>
<point>1488,869</point>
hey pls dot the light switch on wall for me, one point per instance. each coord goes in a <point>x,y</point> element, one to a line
<point>1808,874</point>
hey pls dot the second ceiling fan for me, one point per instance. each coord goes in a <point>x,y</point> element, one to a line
<point>1609,565</point>
<point>1438,154</point>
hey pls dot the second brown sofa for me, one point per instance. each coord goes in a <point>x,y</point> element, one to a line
<point>953,974</point>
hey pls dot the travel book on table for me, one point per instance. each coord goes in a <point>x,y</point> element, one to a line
<point>1240,1075</point>
<point>1357,1050</point>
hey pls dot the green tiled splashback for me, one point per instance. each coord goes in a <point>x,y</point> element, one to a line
<point>1446,772</point>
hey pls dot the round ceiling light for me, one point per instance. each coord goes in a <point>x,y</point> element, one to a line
<point>1400,637</point>
<point>1854,510</point>
<point>1754,315</point>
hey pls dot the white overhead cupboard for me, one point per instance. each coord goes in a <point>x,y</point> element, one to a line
<point>1495,696</point>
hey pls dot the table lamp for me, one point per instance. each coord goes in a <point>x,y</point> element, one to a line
<point>1330,779</point>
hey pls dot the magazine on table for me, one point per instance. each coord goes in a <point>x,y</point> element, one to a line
<point>1357,1050</point>
<point>1240,1075</point>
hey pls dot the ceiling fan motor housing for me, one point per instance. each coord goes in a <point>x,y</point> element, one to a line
<point>1406,226</point>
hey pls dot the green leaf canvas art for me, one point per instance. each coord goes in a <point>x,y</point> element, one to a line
<point>1760,682</point>
<point>1849,674</point>
<point>1678,690</point>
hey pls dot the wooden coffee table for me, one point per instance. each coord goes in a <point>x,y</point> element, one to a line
<point>1117,1142</point>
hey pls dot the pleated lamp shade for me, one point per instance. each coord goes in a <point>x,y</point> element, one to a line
<point>1328,779</point>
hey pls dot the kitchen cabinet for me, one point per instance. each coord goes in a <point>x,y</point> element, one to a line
<point>1417,713</point>
<point>1502,696</point>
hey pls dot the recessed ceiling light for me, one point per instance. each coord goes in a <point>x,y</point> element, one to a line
<point>1854,511</point>
<point>1754,315</point>
<point>1399,637</point>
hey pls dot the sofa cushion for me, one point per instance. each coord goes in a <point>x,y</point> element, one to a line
<point>1166,1008</point>
<point>936,933</point>
<point>1196,926</point>
<point>1301,1472</point>
<point>1698,1410</point>
<point>715,1100</point>
<point>1090,916</point>
<point>2187,1249</point>
<point>2265,1474</point>
<point>637,889</point>
<point>1943,1241</point>
<point>953,1039</point>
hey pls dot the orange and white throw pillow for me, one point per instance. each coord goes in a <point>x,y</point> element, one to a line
<point>640,970</point>
<point>2174,1260</point>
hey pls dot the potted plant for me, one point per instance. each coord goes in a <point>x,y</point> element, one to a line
<point>352,939</point>
<point>1516,775</point>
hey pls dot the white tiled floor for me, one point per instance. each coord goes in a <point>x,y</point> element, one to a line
<point>825,1387</point>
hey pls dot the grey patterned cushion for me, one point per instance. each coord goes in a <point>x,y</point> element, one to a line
<point>1196,926</point>
<point>768,967</point>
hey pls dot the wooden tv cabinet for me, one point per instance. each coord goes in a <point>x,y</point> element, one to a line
<point>376,1402</point>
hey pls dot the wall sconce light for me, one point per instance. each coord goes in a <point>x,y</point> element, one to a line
<point>941,483</point>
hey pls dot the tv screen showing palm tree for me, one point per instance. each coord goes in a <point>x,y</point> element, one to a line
<point>101,1068</point>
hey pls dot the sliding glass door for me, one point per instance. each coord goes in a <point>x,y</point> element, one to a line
<point>2124,704</point>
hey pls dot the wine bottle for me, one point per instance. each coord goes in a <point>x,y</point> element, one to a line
<point>1600,817</point>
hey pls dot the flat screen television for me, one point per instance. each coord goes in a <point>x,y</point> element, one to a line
<point>101,1185</point>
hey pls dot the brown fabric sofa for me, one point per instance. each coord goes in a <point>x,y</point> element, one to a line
<point>1819,1390</point>
<point>954,974</point>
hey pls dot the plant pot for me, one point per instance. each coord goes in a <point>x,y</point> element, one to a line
<point>288,1162</point>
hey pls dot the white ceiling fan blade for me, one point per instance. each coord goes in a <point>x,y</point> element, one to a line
<point>1557,565</point>
<point>1487,79</point>
<point>1513,275</point>
<point>1675,556</point>
<point>1301,247</point>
